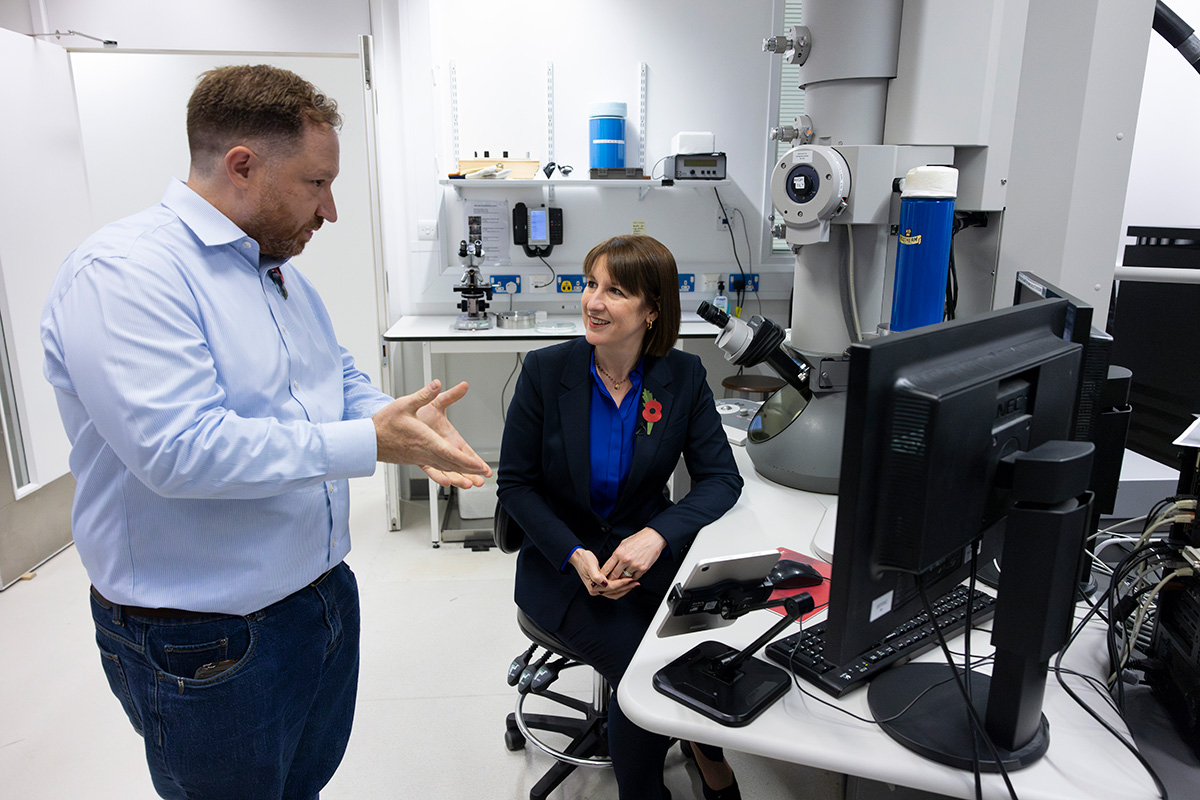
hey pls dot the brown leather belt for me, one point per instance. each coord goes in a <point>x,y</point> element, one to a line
<point>155,613</point>
<point>175,613</point>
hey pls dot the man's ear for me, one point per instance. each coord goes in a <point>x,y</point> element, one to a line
<point>241,164</point>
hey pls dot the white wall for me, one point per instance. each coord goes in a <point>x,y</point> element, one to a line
<point>128,173</point>
<point>259,26</point>
<point>131,107</point>
<point>1165,169</point>
<point>15,16</point>
<point>705,69</point>
<point>706,72</point>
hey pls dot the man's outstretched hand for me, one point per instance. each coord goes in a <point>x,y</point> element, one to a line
<point>414,429</point>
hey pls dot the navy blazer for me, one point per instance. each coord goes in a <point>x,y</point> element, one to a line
<point>544,472</point>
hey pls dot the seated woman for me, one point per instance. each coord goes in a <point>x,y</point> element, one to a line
<point>595,428</point>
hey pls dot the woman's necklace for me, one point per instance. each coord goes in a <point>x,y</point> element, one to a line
<point>616,383</point>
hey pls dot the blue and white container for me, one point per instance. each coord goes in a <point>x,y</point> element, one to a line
<point>607,132</point>
<point>923,254</point>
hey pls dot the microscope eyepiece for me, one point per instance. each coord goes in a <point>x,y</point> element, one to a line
<point>750,344</point>
<point>712,314</point>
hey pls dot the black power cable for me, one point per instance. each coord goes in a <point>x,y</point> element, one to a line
<point>739,290</point>
<point>972,714</point>
<point>1058,674</point>
<point>962,221</point>
<point>553,275</point>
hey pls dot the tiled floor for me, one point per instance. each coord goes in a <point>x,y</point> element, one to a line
<point>438,635</point>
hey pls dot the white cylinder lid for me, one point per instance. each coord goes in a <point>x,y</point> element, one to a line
<point>931,182</point>
<point>606,110</point>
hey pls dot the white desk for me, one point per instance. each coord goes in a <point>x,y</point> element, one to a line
<point>1083,760</point>
<point>437,334</point>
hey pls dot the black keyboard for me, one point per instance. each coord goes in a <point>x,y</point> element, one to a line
<point>802,652</point>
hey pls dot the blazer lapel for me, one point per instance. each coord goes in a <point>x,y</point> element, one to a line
<point>574,409</point>
<point>656,380</point>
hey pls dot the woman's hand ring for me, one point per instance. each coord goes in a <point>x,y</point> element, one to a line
<point>627,573</point>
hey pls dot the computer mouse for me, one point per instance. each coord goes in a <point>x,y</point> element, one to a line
<point>788,574</point>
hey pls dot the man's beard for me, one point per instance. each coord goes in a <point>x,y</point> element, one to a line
<point>272,229</point>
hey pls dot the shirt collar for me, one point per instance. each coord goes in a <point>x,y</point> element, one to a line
<point>202,217</point>
<point>212,227</point>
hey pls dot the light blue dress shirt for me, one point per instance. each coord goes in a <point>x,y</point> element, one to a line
<point>213,423</point>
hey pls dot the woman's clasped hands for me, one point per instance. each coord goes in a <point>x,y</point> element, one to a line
<point>620,573</point>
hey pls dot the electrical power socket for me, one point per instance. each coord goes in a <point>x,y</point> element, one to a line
<point>427,230</point>
<point>501,283</point>
<point>570,284</point>
<point>735,281</point>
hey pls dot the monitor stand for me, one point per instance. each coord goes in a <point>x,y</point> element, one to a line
<point>922,707</point>
<point>989,573</point>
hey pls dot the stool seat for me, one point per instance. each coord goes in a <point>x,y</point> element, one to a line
<point>753,387</point>
<point>536,633</point>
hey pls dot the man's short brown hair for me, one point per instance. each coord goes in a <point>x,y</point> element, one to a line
<point>644,266</point>
<point>234,105</point>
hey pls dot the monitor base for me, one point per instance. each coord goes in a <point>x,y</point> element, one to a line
<point>920,706</point>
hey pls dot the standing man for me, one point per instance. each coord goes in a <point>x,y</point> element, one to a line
<point>214,423</point>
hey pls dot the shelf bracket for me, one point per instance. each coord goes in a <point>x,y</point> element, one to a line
<point>454,111</point>
<point>549,125</point>
<point>642,75</point>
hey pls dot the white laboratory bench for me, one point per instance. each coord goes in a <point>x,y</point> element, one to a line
<point>1083,760</point>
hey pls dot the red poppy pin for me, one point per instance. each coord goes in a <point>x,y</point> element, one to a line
<point>651,410</point>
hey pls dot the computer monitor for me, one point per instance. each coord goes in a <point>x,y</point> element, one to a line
<point>1078,327</point>
<point>941,424</point>
<point>1102,412</point>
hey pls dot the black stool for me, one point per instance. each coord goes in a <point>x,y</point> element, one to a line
<point>589,731</point>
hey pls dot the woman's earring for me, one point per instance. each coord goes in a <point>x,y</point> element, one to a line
<point>649,324</point>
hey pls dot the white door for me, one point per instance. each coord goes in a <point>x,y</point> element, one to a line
<point>44,212</point>
<point>132,111</point>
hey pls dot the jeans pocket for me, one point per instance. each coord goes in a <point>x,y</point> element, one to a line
<point>114,670</point>
<point>179,650</point>
<point>184,660</point>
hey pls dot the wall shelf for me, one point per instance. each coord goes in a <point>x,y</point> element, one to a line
<point>549,185</point>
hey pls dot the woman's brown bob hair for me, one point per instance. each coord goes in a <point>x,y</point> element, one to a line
<point>645,268</point>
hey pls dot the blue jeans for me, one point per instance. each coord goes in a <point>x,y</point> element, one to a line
<point>273,724</point>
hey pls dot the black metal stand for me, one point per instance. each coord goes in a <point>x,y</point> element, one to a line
<point>920,705</point>
<point>728,685</point>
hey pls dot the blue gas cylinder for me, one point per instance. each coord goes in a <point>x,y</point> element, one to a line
<point>923,253</point>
